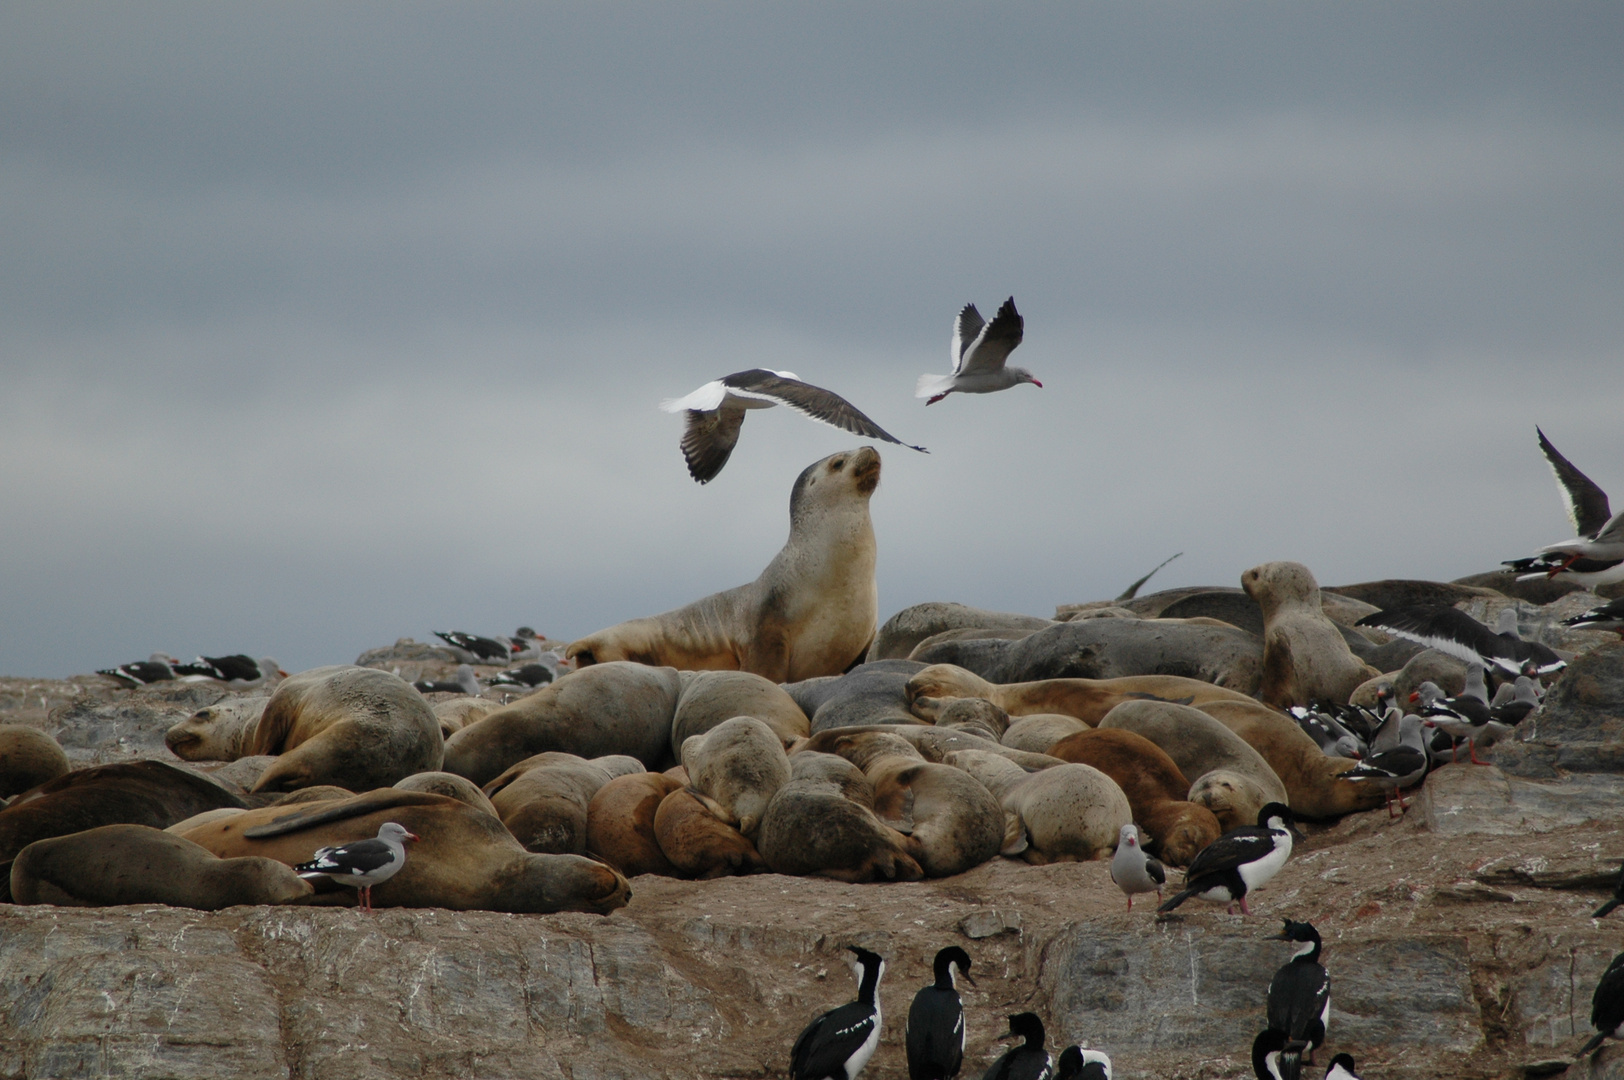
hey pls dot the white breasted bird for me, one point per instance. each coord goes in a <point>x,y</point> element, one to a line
<point>839,1043</point>
<point>1239,861</point>
<point>362,863</point>
<point>1133,870</point>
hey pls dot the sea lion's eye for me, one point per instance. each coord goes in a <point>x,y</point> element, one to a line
<point>837,466</point>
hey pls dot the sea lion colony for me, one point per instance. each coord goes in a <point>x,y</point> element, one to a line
<point>777,727</point>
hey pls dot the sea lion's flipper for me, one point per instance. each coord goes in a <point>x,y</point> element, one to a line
<point>1145,695</point>
<point>360,806</point>
<point>1015,840</point>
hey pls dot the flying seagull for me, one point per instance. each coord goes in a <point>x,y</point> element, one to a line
<point>716,412</point>
<point>979,351</point>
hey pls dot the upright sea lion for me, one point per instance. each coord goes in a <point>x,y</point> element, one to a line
<point>739,764</point>
<point>812,612</point>
<point>1305,658</point>
<point>710,697</point>
<point>464,858</point>
<point>28,758</point>
<point>355,727</point>
<point>223,731</point>
<point>1312,780</point>
<point>1199,744</point>
<point>613,708</point>
<point>1173,827</point>
<point>137,864</point>
<point>1086,699</point>
<point>620,823</point>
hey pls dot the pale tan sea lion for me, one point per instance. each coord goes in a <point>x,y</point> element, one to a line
<point>222,732</point>
<point>181,828</point>
<point>620,823</point>
<point>1198,744</point>
<point>464,858</point>
<point>1069,813</point>
<point>137,864</point>
<point>975,715</point>
<point>953,822</point>
<point>1036,732</point>
<point>700,844</point>
<point>1086,699</point>
<point>1305,658</point>
<point>356,727</point>
<point>614,708</point>
<point>451,786</point>
<point>1173,828</point>
<point>1234,798</point>
<point>458,712</point>
<point>739,764</point>
<point>710,697</point>
<point>1312,779</point>
<point>28,758</point>
<point>812,612</point>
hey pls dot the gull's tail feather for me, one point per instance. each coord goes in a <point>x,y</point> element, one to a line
<point>931,385</point>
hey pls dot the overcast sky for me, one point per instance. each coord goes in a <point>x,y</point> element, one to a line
<point>323,325</point>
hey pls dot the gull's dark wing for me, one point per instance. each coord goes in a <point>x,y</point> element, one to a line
<point>1587,504</point>
<point>708,441</point>
<point>822,405</point>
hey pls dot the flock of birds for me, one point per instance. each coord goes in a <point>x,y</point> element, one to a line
<point>715,411</point>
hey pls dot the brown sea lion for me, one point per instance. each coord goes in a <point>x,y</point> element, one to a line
<point>698,843</point>
<point>1305,658</point>
<point>710,697</point>
<point>1086,699</point>
<point>613,708</point>
<point>543,799</point>
<point>28,758</point>
<point>451,786</point>
<point>812,612</point>
<point>137,864</point>
<point>1312,779</point>
<point>620,823</point>
<point>1199,744</point>
<point>812,829</point>
<point>464,858</point>
<point>739,765</point>
<point>223,731</point>
<point>356,727</point>
<point>1172,827</point>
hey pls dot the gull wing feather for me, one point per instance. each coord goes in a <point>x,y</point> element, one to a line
<point>966,328</point>
<point>822,405</point>
<point>994,343</point>
<point>708,440</point>
<point>706,399</point>
<point>1588,509</point>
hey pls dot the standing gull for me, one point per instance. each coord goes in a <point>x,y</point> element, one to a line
<point>979,351</point>
<point>1133,870</point>
<point>363,863</point>
<point>716,412</point>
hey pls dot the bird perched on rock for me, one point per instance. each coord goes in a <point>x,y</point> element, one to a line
<point>1274,1057</point>
<point>1239,861</point>
<point>473,649</point>
<point>159,667</point>
<point>839,1043</point>
<point>1398,758</point>
<point>1607,1007</point>
<point>238,670</point>
<point>979,351</point>
<point>716,413</point>
<point>934,1035</point>
<point>1618,897</point>
<point>1133,871</point>
<point>362,863</point>
<point>464,682</point>
<point>527,677</point>
<point>1300,992</point>
<point>1341,1068</point>
<point>1028,1061</point>
<point>1465,716</point>
<point>1609,616</point>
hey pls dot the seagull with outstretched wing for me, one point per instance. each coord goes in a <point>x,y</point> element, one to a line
<point>980,350</point>
<point>716,413</point>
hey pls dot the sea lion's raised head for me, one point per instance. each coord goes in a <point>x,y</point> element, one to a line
<point>1276,583</point>
<point>824,482</point>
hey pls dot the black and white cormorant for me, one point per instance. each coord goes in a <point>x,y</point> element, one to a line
<point>839,1043</point>
<point>935,1031</point>
<point>1239,861</point>
<point>1341,1068</point>
<point>1607,1007</point>
<point>1274,1057</point>
<point>1075,1063</point>
<point>1300,992</point>
<point>1029,1061</point>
